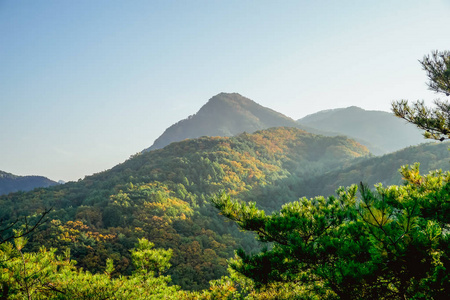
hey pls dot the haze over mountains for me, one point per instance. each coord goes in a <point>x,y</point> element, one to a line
<point>223,115</point>
<point>228,114</point>
<point>380,131</point>
<point>379,169</point>
<point>10,183</point>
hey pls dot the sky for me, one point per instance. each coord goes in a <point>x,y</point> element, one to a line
<point>86,84</point>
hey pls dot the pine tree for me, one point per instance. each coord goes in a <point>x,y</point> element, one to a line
<point>391,243</point>
<point>435,121</point>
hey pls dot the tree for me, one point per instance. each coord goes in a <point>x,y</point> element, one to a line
<point>437,67</point>
<point>27,275</point>
<point>150,261</point>
<point>8,232</point>
<point>391,243</point>
<point>45,275</point>
<point>435,121</point>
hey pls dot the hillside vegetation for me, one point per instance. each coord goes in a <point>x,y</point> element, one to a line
<point>381,169</point>
<point>163,196</point>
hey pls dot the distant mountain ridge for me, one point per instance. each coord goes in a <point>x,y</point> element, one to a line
<point>380,131</point>
<point>225,114</point>
<point>229,114</point>
<point>10,183</point>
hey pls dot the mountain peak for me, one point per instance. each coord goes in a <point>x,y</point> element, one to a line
<point>230,98</point>
<point>224,96</point>
<point>225,114</point>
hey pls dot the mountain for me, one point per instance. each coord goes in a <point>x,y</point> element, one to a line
<point>380,131</point>
<point>162,195</point>
<point>10,183</point>
<point>228,114</point>
<point>381,169</point>
<point>225,114</point>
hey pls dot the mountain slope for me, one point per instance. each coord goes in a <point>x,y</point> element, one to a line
<point>10,183</point>
<point>162,195</point>
<point>383,169</point>
<point>225,114</point>
<point>380,131</point>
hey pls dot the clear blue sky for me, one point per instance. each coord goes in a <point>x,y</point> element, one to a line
<point>86,84</point>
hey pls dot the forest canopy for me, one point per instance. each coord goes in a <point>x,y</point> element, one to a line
<point>390,243</point>
<point>147,229</point>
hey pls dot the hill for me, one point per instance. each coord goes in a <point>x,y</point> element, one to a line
<point>10,183</point>
<point>382,169</point>
<point>225,114</point>
<point>380,131</point>
<point>162,195</point>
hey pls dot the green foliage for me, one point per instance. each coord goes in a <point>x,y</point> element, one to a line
<point>373,170</point>
<point>149,216</point>
<point>162,196</point>
<point>23,275</point>
<point>437,67</point>
<point>45,275</point>
<point>148,260</point>
<point>435,121</point>
<point>391,243</point>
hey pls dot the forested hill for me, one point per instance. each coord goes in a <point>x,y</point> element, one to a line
<point>225,114</point>
<point>10,183</point>
<point>380,131</point>
<point>382,169</point>
<point>162,195</point>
